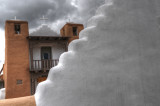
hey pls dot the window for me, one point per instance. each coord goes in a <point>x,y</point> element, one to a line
<point>17,28</point>
<point>45,53</point>
<point>46,57</point>
<point>74,31</point>
<point>19,82</point>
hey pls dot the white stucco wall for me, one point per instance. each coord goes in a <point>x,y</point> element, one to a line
<point>115,61</point>
<point>36,53</point>
<point>57,50</point>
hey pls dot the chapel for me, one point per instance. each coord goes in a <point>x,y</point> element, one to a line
<point>30,56</point>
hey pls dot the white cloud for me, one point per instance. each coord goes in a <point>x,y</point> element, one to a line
<point>74,3</point>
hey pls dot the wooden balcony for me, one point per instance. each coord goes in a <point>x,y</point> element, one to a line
<point>43,65</point>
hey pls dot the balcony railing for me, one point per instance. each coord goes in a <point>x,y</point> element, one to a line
<point>43,65</point>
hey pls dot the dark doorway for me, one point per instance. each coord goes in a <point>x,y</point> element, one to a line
<point>46,57</point>
<point>45,53</point>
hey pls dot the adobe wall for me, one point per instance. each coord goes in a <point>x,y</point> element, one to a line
<point>73,38</point>
<point>23,101</point>
<point>16,60</point>
<point>67,31</point>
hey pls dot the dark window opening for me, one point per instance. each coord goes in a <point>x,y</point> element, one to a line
<point>45,53</point>
<point>46,56</point>
<point>1,84</point>
<point>17,29</point>
<point>19,82</point>
<point>75,31</point>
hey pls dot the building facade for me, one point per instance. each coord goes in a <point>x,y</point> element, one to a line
<point>29,57</point>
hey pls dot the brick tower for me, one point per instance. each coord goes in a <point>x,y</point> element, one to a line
<point>71,30</point>
<point>16,69</point>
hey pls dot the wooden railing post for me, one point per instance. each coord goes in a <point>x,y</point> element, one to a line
<point>38,64</point>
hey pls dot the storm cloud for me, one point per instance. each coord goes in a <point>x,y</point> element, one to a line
<point>32,10</point>
<point>57,11</point>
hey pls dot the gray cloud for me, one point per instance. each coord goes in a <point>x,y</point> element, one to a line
<point>32,10</point>
<point>87,8</point>
<point>56,11</point>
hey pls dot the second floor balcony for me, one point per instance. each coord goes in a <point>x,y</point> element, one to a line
<point>43,65</point>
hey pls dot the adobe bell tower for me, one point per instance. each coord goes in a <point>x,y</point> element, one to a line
<point>71,30</point>
<point>16,69</point>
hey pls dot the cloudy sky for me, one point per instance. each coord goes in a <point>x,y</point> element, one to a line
<point>58,13</point>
